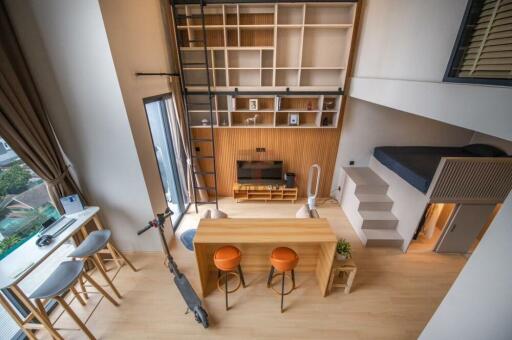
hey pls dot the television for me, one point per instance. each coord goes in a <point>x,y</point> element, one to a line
<point>259,172</point>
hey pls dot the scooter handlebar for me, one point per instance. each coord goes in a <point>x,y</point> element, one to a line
<point>143,230</point>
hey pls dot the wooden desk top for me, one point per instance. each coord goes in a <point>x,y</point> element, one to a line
<point>264,230</point>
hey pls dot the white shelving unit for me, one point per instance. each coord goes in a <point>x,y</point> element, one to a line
<point>269,47</point>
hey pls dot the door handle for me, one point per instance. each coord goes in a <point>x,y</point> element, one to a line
<point>453,228</point>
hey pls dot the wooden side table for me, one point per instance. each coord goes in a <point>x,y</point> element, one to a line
<point>343,269</point>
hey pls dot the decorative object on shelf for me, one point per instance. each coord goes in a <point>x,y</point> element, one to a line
<point>289,177</point>
<point>329,104</point>
<point>224,122</point>
<point>343,250</point>
<point>325,121</point>
<point>293,119</point>
<point>252,120</point>
<point>278,103</point>
<point>205,122</point>
<point>310,105</point>
<point>233,103</point>
<point>253,104</point>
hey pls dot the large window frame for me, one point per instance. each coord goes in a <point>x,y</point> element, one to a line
<point>471,15</point>
<point>165,119</point>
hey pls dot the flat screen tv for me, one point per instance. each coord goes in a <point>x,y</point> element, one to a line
<point>262,172</point>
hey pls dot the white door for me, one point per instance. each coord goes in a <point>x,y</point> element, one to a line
<point>463,228</point>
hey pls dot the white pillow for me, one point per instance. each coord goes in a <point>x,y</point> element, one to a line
<point>216,214</point>
<point>206,214</point>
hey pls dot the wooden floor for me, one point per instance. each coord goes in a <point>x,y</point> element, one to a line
<point>393,297</point>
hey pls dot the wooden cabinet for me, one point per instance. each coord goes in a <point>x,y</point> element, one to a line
<point>249,192</point>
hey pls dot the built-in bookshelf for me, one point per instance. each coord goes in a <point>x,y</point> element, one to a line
<point>274,47</point>
<point>313,111</point>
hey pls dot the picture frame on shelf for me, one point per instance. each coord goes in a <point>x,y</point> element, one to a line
<point>253,104</point>
<point>293,119</point>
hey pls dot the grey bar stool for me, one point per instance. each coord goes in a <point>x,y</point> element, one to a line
<point>60,281</point>
<point>88,250</point>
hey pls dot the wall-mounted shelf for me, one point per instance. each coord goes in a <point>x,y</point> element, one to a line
<point>315,111</point>
<point>301,46</point>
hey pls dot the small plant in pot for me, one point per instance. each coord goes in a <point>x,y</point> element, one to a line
<point>343,250</point>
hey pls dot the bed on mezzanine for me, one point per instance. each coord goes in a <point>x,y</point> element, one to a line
<point>417,165</point>
<point>421,175</point>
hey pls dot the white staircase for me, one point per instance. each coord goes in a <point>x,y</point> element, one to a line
<point>368,208</point>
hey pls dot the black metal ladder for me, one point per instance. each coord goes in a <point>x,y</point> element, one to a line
<point>188,95</point>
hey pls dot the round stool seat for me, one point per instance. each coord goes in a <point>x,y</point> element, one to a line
<point>284,259</point>
<point>227,258</point>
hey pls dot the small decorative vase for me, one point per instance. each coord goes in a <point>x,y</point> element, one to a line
<point>340,257</point>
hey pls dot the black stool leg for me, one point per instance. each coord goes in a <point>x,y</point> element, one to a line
<point>241,275</point>
<point>270,275</point>
<point>226,288</point>
<point>282,292</point>
<point>293,278</point>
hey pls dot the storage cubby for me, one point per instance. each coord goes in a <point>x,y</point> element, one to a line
<point>288,47</point>
<point>244,78</point>
<point>290,14</point>
<point>329,14</point>
<point>214,37</point>
<point>232,37</point>
<point>326,47</point>
<point>197,77</point>
<point>198,103</point>
<point>299,104</point>
<point>243,59</point>
<point>261,37</point>
<point>197,117</point>
<point>287,77</point>
<point>263,119</point>
<point>306,119</point>
<point>219,59</point>
<point>220,78</point>
<point>231,15</point>
<point>328,119</point>
<point>255,14</point>
<point>213,15</point>
<point>321,77</point>
<point>264,103</point>
<point>222,103</point>
<point>330,103</point>
<point>223,119</point>
<point>266,77</point>
<point>267,58</point>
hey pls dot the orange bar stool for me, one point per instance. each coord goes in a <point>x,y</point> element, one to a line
<point>227,260</point>
<point>283,260</point>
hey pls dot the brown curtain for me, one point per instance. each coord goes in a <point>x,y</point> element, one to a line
<point>24,123</point>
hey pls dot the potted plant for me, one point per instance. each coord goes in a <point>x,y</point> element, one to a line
<point>343,250</point>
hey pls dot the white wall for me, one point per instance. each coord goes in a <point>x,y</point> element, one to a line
<point>403,51</point>
<point>68,51</point>
<point>479,303</point>
<point>367,125</point>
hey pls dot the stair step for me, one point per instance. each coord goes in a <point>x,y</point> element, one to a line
<point>379,202</point>
<point>383,238</point>
<point>374,219</point>
<point>366,180</point>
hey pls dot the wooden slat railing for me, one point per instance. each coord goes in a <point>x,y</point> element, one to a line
<point>471,180</point>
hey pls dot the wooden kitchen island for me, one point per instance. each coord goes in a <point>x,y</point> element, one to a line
<point>311,238</point>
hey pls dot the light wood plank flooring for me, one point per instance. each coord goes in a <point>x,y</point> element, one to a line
<point>393,297</point>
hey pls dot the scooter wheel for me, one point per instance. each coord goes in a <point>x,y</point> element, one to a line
<point>201,316</point>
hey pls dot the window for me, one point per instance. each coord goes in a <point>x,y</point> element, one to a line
<point>24,206</point>
<point>483,49</point>
<point>169,153</point>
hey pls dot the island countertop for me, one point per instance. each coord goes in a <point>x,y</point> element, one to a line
<point>311,238</point>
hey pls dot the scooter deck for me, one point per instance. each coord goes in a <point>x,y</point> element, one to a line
<point>187,291</point>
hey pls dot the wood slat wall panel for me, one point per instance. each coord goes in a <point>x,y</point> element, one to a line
<point>298,148</point>
<point>471,180</point>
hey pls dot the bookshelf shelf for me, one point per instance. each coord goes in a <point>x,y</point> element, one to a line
<point>269,47</point>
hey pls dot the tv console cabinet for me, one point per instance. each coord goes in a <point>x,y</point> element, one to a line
<point>264,192</point>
